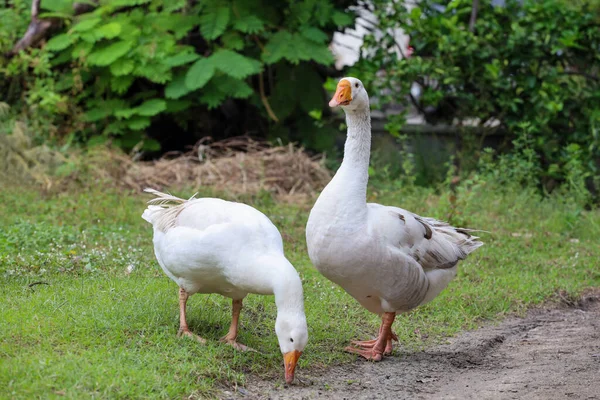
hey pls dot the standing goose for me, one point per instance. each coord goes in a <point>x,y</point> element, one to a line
<point>215,246</point>
<point>389,259</point>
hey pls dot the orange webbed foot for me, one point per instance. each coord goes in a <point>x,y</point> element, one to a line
<point>369,354</point>
<point>188,333</point>
<point>375,349</point>
<point>236,345</point>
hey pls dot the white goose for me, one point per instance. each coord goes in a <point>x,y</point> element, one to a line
<point>389,259</point>
<point>215,246</point>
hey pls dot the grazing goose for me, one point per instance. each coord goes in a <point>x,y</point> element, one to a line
<point>389,259</point>
<point>215,246</point>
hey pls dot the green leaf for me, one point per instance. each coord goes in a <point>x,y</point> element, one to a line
<point>120,84</point>
<point>122,66</point>
<point>214,20</point>
<point>221,87</point>
<point>232,87</point>
<point>181,59</point>
<point>138,123</point>
<point>64,82</point>
<point>249,24</point>
<point>177,88</point>
<point>314,34</point>
<point>86,24</point>
<point>342,19</point>
<point>151,145</point>
<point>306,50</point>
<point>152,107</point>
<point>126,112</point>
<point>60,15</point>
<point>303,49</point>
<point>109,54</point>
<point>108,31</point>
<point>212,98</point>
<point>179,24</point>
<point>235,64</point>
<point>278,47</point>
<point>129,138</point>
<point>154,72</point>
<point>316,114</point>
<point>101,109</point>
<point>61,58</point>
<point>175,106</point>
<point>199,74</point>
<point>81,50</point>
<point>57,5</point>
<point>96,114</point>
<point>128,3</point>
<point>415,13</point>
<point>59,42</point>
<point>493,69</point>
<point>89,36</point>
<point>233,41</point>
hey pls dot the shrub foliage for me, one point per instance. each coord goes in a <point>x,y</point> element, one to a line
<point>126,64</point>
<point>532,67</point>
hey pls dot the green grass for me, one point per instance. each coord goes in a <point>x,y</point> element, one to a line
<point>92,330</point>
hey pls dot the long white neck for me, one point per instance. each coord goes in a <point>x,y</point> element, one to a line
<point>286,286</point>
<point>345,197</point>
<point>357,151</point>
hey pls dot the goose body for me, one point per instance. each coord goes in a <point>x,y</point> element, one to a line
<point>214,247</point>
<point>210,245</point>
<point>389,259</point>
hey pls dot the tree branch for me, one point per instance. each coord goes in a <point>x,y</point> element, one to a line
<point>39,28</point>
<point>35,9</point>
<point>263,98</point>
<point>416,103</point>
<point>35,32</point>
<point>473,15</point>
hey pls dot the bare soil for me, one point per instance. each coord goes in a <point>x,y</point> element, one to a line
<point>551,353</point>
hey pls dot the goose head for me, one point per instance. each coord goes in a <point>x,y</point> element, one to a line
<point>351,95</point>
<point>292,334</point>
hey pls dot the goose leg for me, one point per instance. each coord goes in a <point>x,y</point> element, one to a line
<point>375,351</point>
<point>233,329</point>
<point>368,344</point>
<point>183,326</point>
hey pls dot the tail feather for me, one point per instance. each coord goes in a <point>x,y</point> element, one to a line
<point>460,237</point>
<point>165,199</point>
<point>446,246</point>
<point>163,210</point>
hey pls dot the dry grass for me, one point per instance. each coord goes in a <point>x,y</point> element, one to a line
<point>236,166</point>
<point>21,161</point>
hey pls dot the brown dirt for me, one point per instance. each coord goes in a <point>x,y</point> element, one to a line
<point>548,354</point>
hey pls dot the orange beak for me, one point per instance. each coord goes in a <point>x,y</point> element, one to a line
<point>343,94</point>
<point>289,360</point>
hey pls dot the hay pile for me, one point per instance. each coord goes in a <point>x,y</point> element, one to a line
<point>237,166</point>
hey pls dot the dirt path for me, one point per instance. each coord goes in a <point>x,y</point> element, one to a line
<point>549,354</point>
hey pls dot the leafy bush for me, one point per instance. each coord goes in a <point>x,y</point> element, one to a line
<point>127,64</point>
<point>530,67</point>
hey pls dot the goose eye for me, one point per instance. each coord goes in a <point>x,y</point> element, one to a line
<point>356,85</point>
<point>291,340</point>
